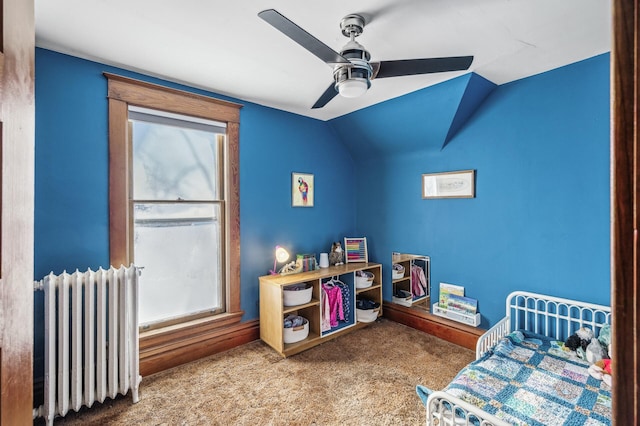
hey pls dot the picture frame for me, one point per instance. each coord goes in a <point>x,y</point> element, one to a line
<point>302,189</point>
<point>355,250</point>
<point>456,184</point>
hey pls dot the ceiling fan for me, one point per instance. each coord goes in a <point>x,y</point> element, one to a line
<point>352,71</point>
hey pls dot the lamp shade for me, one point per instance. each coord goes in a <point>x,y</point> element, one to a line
<point>282,255</point>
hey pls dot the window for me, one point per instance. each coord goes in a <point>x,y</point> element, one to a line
<point>174,200</point>
<point>177,203</point>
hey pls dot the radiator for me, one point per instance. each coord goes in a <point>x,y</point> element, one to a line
<point>91,338</point>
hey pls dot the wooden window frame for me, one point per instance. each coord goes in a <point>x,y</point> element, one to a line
<point>122,92</point>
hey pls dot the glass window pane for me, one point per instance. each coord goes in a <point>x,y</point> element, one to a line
<point>179,247</point>
<point>171,163</point>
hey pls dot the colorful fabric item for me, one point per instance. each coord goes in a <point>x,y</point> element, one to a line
<point>346,298</point>
<point>293,321</point>
<point>533,380</point>
<point>418,281</point>
<point>325,321</point>
<point>334,296</point>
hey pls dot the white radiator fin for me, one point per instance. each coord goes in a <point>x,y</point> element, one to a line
<point>91,338</point>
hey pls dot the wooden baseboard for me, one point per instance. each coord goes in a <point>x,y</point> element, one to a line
<point>162,356</point>
<point>451,331</point>
<point>156,356</point>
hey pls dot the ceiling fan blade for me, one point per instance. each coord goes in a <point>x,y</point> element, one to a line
<point>328,94</point>
<point>303,38</point>
<point>385,69</point>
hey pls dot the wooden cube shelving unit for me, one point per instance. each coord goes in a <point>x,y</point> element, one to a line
<point>273,311</point>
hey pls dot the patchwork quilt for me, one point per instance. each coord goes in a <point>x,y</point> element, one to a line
<point>532,380</point>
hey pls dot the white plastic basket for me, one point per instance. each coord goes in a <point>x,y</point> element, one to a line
<point>367,315</point>
<point>397,272</point>
<point>365,280</point>
<point>296,334</point>
<point>297,297</point>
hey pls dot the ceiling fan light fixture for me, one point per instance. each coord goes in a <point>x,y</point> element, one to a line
<point>353,81</point>
<point>352,88</point>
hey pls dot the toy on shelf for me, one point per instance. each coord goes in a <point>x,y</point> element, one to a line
<point>336,257</point>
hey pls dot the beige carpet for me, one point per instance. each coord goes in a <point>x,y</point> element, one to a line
<point>366,377</point>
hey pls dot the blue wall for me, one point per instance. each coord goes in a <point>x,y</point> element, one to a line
<point>71,193</point>
<point>540,218</point>
<point>273,145</point>
<point>540,146</point>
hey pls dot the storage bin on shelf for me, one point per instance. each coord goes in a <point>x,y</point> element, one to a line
<point>364,279</point>
<point>367,310</point>
<point>402,297</point>
<point>297,294</point>
<point>398,271</point>
<point>296,328</point>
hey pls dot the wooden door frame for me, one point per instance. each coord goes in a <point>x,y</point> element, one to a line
<point>625,210</point>
<point>17,145</point>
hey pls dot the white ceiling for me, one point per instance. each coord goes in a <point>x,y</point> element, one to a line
<point>224,47</point>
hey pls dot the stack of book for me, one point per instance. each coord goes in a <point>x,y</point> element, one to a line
<point>453,304</point>
<point>308,262</point>
<point>452,298</point>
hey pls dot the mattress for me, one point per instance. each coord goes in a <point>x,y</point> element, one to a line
<point>528,379</point>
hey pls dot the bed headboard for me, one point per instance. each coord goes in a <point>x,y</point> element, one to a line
<point>554,316</point>
<point>547,315</point>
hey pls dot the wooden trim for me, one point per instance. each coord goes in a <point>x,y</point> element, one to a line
<point>1,60</point>
<point>118,183</point>
<point>17,142</point>
<point>451,331</point>
<point>233,214</point>
<point>625,184</point>
<point>172,345</point>
<point>152,339</point>
<point>142,93</point>
<point>163,351</point>
<point>1,28</point>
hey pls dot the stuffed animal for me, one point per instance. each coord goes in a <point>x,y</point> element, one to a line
<point>580,339</point>
<point>336,257</point>
<point>604,337</point>
<point>595,352</point>
<point>601,370</point>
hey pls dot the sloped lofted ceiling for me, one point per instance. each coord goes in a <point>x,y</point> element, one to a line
<point>436,114</point>
<point>224,47</point>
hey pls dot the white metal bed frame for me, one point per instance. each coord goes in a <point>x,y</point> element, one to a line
<point>547,315</point>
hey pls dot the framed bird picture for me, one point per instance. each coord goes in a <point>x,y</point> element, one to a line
<point>302,189</point>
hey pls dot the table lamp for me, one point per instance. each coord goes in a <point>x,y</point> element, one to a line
<point>282,255</point>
